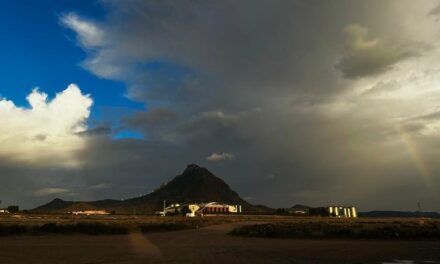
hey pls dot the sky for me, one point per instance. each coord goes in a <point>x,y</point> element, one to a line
<point>290,102</point>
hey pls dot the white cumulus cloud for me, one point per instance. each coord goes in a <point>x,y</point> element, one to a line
<point>366,55</point>
<point>220,156</point>
<point>46,133</point>
<point>51,191</point>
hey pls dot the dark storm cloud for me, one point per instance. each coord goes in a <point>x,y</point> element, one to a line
<point>420,123</point>
<point>99,130</point>
<point>255,82</point>
<point>430,116</point>
<point>435,11</point>
<point>383,87</point>
<point>154,116</point>
<point>257,79</point>
<point>154,122</point>
<point>365,55</point>
<point>231,48</point>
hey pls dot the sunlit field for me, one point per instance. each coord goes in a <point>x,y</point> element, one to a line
<point>265,226</point>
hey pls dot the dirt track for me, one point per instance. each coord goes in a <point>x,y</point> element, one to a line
<point>207,245</point>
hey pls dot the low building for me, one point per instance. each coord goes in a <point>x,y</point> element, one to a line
<point>13,208</point>
<point>319,211</point>
<point>173,209</point>
<point>332,211</point>
<point>200,209</point>
<point>90,212</point>
<point>218,208</point>
<point>298,210</point>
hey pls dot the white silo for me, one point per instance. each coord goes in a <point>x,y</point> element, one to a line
<point>353,212</point>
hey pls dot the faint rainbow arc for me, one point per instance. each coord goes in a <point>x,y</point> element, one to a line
<point>416,155</point>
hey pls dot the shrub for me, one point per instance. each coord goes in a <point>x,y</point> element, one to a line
<point>80,228</point>
<point>8,230</point>
<point>338,230</point>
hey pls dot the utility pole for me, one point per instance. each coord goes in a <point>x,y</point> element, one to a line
<point>164,201</point>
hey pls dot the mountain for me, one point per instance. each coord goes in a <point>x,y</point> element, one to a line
<point>195,184</point>
<point>61,206</point>
<point>55,205</point>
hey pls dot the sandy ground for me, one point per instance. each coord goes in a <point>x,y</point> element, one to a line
<point>208,245</point>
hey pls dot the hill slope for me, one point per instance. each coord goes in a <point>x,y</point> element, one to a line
<point>195,184</point>
<point>61,206</point>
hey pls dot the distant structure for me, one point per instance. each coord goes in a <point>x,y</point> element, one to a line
<point>10,210</point>
<point>200,209</point>
<point>218,208</point>
<point>329,211</point>
<point>342,211</point>
<point>90,212</point>
<point>299,210</point>
<point>13,208</point>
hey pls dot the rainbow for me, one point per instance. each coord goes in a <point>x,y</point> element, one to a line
<point>416,155</point>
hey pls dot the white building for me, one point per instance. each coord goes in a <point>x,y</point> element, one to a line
<point>90,212</point>
<point>195,209</point>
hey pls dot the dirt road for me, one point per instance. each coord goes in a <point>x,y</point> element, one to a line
<point>208,245</point>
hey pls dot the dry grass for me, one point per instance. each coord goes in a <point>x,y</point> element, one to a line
<point>264,226</point>
<point>104,225</point>
<point>53,228</point>
<point>345,228</point>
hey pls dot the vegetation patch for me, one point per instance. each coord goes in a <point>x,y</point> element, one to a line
<point>54,228</point>
<point>347,230</point>
<point>7,230</point>
<point>92,228</point>
<point>105,225</point>
<point>109,227</point>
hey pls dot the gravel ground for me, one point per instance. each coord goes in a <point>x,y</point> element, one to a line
<point>208,245</point>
